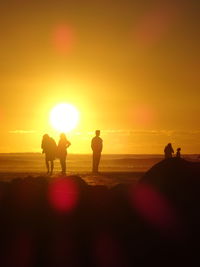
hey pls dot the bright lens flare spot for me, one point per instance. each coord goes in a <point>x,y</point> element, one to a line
<point>64,117</point>
<point>63,194</point>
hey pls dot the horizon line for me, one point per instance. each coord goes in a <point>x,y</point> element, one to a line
<point>160,154</point>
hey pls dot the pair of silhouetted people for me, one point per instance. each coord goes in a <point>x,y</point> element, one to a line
<point>169,151</point>
<point>97,146</point>
<point>51,151</point>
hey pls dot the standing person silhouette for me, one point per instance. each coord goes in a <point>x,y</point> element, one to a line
<point>63,144</point>
<point>97,146</point>
<point>49,149</point>
<point>168,151</point>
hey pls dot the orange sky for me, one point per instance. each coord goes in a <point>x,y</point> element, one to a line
<point>130,67</point>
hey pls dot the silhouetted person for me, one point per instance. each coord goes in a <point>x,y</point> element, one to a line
<point>97,146</point>
<point>49,149</point>
<point>63,144</point>
<point>168,151</point>
<point>178,152</point>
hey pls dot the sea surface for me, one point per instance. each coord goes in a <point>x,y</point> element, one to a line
<point>34,163</point>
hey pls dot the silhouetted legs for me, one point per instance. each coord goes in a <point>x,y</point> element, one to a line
<point>47,165</point>
<point>96,160</point>
<point>52,166</point>
<point>63,164</point>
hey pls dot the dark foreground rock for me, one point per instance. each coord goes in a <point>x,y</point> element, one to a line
<point>66,222</point>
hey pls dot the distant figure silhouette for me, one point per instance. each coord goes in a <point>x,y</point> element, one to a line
<point>168,151</point>
<point>97,146</point>
<point>178,152</point>
<point>63,144</point>
<point>49,149</point>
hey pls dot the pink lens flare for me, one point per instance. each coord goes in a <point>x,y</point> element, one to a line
<point>155,24</point>
<point>20,251</point>
<point>63,194</point>
<point>63,39</point>
<point>108,252</point>
<point>155,208</point>
<point>142,115</point>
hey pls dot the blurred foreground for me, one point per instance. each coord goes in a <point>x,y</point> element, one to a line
<point>63,221</point>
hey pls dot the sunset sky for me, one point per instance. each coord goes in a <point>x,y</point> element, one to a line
<point>131,68</point>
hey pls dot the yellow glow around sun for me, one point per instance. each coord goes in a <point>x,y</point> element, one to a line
<point>64,117</point>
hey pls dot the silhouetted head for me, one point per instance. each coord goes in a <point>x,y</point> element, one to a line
<point>97,132</point>
<point>169,145</point>
<point>63,136</point>
<point>179,149</point>
<point>45,137</point>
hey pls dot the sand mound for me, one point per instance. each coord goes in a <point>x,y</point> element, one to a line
<point>64,221</point>
<point>175,177</point>
<point>178,181</point>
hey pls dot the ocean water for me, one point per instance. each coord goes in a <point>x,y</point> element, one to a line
<point>34,163</point>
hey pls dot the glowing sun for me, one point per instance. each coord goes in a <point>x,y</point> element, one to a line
<point>64,117</point>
